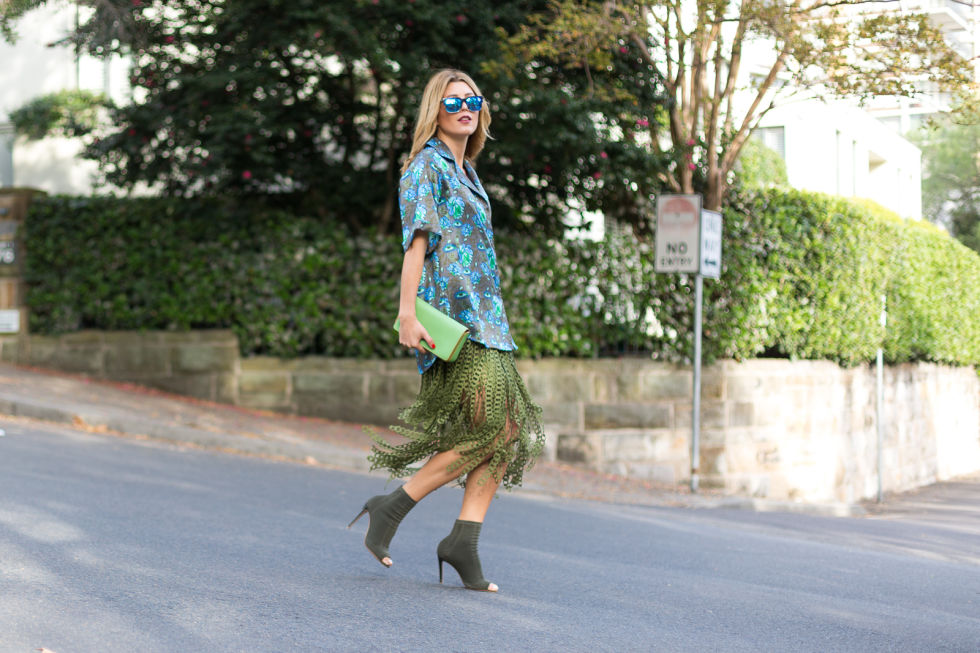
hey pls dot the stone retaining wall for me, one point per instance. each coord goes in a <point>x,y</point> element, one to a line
<point>201,364</point>
<point>775,428</point>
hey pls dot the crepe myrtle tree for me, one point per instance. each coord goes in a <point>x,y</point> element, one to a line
<point>824,48</point>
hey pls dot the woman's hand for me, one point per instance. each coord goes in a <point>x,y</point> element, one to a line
<point>411,333</point>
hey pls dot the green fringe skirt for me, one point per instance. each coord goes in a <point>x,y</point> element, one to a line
<point>478,406</point>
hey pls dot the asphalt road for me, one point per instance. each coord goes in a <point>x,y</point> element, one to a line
<point>109,544</point>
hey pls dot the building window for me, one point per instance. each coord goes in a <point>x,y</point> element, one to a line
<point>774,138</point>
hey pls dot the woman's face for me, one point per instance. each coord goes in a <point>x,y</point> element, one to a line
<point>463,123</point>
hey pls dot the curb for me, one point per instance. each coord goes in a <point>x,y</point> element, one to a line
<point>282,447</point>
<point>313,452</point>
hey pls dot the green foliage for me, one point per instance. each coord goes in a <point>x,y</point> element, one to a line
<point>316,105</point>
<point>803,277</point>
<point>10,11</point>
<point>65,113</point>
<point>951,179</point>
<point>934,297</point>
<point>760,167</point>
<point>830,49</point>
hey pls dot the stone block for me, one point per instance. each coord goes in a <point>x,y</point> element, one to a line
<point>742,413</point>
<point>713,461</point>
<point>327,365</point>
<point>604,387</point>
<point>83,338</point>
<point>748,386</point>
<point>654,386</point>
<point>268,364</point>
<point>626,447</point>
<point>134,361</point>
<point>266,401</point>
<point>405,387</point>
<point>131,338</point>
<point>39,351</point>
<point>575,448</point>
<point>643,446</point>
<point>11,349</point>
<point>713,415</point>
<point>568,414</point>
<point>345,386</point>
<point>200,386</point>
<point>682,414</point>
<point>712,385</point>
<point>195,358</point>
<point>559,387</point>
<point>264,382</point>
<point>226,388</point>
<point>84,360</point>
<point>380,388</point>
<point>627,415</point>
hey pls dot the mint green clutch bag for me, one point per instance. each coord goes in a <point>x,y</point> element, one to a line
<point>448,334</point>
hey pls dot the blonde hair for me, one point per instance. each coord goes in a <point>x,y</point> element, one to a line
<point>428,116</point>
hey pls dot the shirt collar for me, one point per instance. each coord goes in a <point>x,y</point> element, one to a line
<point>469,177</point>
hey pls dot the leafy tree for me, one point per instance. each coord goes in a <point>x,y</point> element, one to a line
<point>951,177</point>
<point>313,103</point>
<point>65,113</point>
<point>840,48</point>
<point>108,26</point>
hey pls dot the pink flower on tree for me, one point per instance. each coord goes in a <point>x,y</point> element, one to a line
<point>642,122</point>
<point>247,174</point>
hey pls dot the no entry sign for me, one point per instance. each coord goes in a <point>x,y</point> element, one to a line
<point>678,245</point>
<point>688,237</point>
<point>689,240</point>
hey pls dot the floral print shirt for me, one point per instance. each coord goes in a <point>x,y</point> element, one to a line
<point>460,275</point>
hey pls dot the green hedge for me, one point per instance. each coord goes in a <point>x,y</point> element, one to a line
<point>803,277</point>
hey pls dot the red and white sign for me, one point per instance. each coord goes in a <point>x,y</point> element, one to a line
<point>678,233</point>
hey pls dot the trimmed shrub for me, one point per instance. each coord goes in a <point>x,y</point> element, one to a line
<point>803,277</point>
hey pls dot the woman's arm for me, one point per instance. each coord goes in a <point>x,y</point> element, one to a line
<point>410,330</point>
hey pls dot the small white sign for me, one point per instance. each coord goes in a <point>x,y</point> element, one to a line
<point>10,321</point>
<point>710,244</point>
<point>677,241</point>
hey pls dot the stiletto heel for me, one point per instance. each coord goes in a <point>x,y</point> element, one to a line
<point>459,549</point>
<point>359,515</point>
<point>385,513</point>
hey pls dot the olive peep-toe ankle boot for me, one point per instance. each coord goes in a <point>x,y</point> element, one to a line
<point>459,549</point>
<point>385,513</point>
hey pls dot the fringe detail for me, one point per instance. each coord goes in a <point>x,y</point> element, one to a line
<point>478,406</point>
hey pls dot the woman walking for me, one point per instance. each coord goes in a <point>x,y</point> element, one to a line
<point>473,419</point>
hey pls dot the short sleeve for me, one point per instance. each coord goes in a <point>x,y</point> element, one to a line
<point>419,198</point>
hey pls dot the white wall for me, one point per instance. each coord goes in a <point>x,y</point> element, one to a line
<point>841,150</point>
<point>32,68</point>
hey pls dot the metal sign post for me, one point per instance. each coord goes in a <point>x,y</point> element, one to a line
<point>880,396</point>
<point>689,240</point>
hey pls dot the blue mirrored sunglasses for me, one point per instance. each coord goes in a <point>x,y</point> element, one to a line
<point>455,104</point>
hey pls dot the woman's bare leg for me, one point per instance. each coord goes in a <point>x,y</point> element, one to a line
<point>433,475</point>
<point>477,496</point>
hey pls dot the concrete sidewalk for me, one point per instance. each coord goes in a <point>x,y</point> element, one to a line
<point>138,412</point>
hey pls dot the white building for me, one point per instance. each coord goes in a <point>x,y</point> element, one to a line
<point>32,68</point>
<point>841,150</point>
